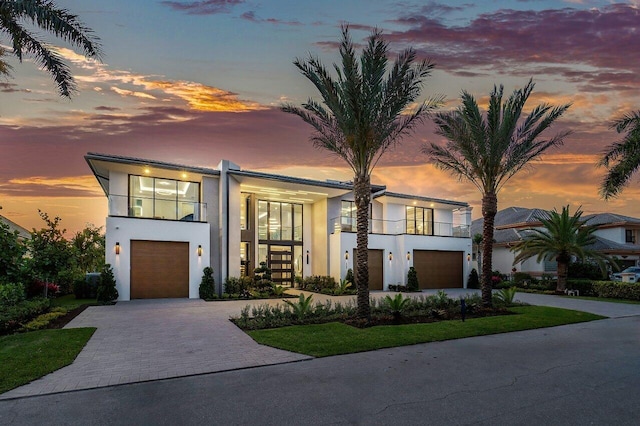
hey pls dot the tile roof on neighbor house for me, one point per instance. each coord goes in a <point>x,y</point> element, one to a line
<point>22,232</point>
<point>512,217</point>
<point>608,246</point>
<point>609,219</point>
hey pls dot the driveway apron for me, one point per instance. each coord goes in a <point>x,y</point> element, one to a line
<point>155,339</point>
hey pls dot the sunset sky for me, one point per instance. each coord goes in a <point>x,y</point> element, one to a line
<point>194,82</point>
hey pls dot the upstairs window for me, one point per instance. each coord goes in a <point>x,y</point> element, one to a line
<point>419,220</point>
<point>629,236</point>
<point>160,198</point>
<point>349,216</point>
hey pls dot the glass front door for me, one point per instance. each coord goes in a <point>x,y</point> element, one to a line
<point>281,264</point>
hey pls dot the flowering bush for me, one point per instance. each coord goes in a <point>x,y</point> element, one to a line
<point>37,289</point>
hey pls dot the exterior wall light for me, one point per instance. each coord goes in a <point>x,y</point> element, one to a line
<point>199,250</point>
<point>468,257</point>
<point>307,257</point>
<point>408,256</point>
<point>390,256</point>
<point>117,248</point>
<point>346,255</point>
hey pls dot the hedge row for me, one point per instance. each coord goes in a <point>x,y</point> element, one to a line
<point>616,290</point>
<point>12,317</point>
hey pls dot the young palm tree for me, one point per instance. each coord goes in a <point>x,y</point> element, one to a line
<point>489,150</point>
<point>563,236</point>
<point>622,159</point>
<point>59,22</point>
<point>364,113</point>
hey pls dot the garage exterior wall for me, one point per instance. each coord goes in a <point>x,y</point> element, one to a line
<point>122,230</point>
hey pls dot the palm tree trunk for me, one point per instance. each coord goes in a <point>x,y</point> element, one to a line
<point>362,194</point>
<point>489,210</point>
<point>563,272</point>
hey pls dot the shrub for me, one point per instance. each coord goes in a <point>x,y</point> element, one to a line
<point>107,291</point>
<point>237,285</point>
<point>506,295</point>
<point>66,280</point>
<point>318,282</point>
<point>521,277</point>
<point>11,294</point>
<point>42,321</point>
<point>412,279</point>
<point>474,280</point>
<point>11,317</point>
<point>617,290</point>
<point>342,288</point>
<point>397,304</point>
<point>302,307</point>
<point>37,289</point>
<point>207,287</point>
<point>585,287</point>
<point>349,277</point>
<point>585,270</point>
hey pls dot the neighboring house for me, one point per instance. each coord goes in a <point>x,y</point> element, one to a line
<point>167,222</point>
<point>22,232</point>
<point>616,236</point>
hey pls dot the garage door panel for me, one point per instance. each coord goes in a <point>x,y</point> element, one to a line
<point>438,269</point>
<point>375,264</point>
<point>159,269</point>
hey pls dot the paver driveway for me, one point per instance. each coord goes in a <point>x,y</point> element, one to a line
<point>155,339</point>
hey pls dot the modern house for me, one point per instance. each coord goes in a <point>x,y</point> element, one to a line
<point>615,235</point>
<point>167,222</point>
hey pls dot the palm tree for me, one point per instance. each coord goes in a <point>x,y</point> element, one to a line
<point>563,236</point>
<point>59,22</point>
<point>489,150</point>
<point>477,245</point>
<point>364,113</point>
<point>622,159</point>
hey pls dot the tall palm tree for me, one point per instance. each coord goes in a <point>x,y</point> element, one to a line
<point>14,14</point>
<point>622,159</point>
<point>489,150</point>
<point>362,115</point>
<point>562,237</point>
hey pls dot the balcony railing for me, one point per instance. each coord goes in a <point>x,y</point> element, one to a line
<point>399,227</point>
<point>157,208</point>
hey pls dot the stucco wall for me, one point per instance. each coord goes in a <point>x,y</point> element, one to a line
<point>123,230</point>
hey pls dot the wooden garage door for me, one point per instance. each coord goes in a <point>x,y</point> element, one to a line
<point>438,269</point>
<point>374,260</point>
<point>159,269</point>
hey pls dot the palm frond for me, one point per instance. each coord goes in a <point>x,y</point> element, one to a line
<point>621,159</point>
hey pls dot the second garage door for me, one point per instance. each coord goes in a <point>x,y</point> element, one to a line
<point>438,269</point>
<point>159,269</point>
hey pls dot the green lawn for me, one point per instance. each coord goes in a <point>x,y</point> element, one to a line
<point>70,302</point>
<point>29,356</point>
<point>335,338</point>
<point>604,299</point>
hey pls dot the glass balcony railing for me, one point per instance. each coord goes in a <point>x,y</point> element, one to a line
<point>399,227</point>
<point>157,208</point>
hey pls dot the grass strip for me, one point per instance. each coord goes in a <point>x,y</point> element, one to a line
<point>320,340</point>
<point>70,302</point>
<point>28,356</point>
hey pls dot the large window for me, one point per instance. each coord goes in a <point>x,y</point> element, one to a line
<point>279,221</point>
<point>245,208</point>
<point>419,220</point>
<point>349,217</point>
<point>160,198</point>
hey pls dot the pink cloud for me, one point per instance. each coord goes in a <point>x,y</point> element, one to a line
<point>207,7</point>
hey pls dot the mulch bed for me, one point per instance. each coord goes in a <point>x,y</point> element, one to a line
<point>64,320</point>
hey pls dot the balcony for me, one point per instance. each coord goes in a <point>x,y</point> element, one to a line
<point>157,208</point>
<point>399,227</point>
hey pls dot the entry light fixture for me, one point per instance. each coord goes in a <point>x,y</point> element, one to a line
<point>408,256</point>
<point>117,248</point>
<point>307,257</point>
<point>468,257</point>
<point>199,250</point>
<point>346,255</point>
<point>390,256</point>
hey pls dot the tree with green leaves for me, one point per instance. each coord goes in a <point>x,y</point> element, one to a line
<point>622,159</point>
<point>50,252</point>
<point>364,113</point>
<point>18,17</point>
<point>89,248</point>
<point>12,250</point>
<point>488,150</point>
<point>107,291</point>
<point>562,237</point>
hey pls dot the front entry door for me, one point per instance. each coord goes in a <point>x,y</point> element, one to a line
<point>281,264</point>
